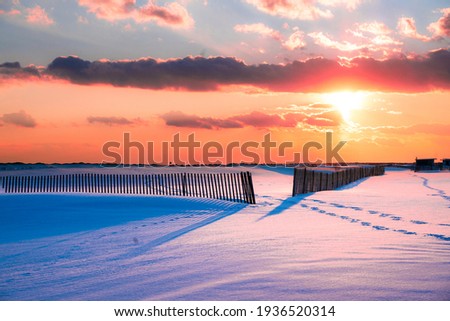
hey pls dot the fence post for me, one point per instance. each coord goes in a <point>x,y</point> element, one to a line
<point>299,181</point>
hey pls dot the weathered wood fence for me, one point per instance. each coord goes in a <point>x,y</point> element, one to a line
<point>307,180</point>
<point>237,187</point>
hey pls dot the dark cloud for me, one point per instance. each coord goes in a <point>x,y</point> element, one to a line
<point>21,119</point>
<point>14,70</point>
<point>179,119</point>
<point>254,119</point>
<point>10,65</point>
<point>401,74</point>
<point>112,121</point>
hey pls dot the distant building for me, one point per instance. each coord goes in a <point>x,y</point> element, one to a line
<point>446,163</point>
<point>425,164</point>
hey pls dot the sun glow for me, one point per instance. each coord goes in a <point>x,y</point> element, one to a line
<point>346,102</point>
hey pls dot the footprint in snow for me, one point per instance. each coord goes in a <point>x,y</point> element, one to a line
<point>440,237</point>
<point>337,205</point>
<point>405,232</point>
<point>419,222</point>
<point>380,228</point>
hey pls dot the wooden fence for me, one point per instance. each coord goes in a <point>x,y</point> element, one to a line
<point>307,180</point>
<point>237,187</point>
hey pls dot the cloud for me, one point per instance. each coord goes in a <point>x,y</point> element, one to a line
<point>258,28</point>
<point>262,120</point>
<point>37,15</point>
<point>295,41</point>
<point>407,28</point>
<point>180,119</point>
<point>21,119</point>
<point>378,43</point>
<point>374,27</point>
<point>441,28</point>
<point>324,40</point>
<point>349,4</point>
<point>291,9</point>
<point>113,121</point>
<point>13,71</point>
<point>12,12</point>
<point>172,14</point>
<point>327,118</point>
<point>254,119</point>
<point>302,9</point>
<point>419,73</point>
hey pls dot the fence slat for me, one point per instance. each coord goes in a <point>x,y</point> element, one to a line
<point>310,180</point>
<point>236,187</point>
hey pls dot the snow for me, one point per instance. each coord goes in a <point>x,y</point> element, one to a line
<point>381,238</point>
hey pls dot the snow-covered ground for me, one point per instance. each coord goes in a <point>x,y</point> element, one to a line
<point>381,238</point>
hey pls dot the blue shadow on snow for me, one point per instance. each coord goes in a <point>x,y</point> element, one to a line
<point>25,217</point>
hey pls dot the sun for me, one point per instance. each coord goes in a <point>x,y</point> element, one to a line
<point>346,102</point>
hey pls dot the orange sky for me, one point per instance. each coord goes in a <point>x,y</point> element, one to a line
<point>384,128</point>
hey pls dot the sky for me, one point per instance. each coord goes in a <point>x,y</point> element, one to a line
<point>87,80</point>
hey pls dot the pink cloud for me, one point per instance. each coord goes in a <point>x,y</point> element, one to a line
<point>370,37</point>
<point>376,28</point>
<point>292,9</point>
<point>324,40</point>
<point>384,40</point>
<point>254,119</point>
<point>441,28</point>
<point>258,28</point>
<point>180,119</point>
<point>262,120</point>
<point>172,14</point>
<point>349,4</point>
<point>37,15</point>
<point>407,28</point>
<point>295,41</point>
<point>302,9</point>
<point>12,12</point>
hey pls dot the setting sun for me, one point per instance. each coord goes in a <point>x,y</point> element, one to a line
<point>345,102</point>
